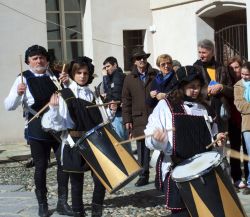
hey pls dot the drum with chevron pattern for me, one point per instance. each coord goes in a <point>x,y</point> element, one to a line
<point>111,163</point>
<point>206,188</point>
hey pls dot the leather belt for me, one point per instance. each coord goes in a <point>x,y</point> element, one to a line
<point>79,134</point>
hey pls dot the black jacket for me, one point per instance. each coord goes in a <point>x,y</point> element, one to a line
<point>113,85</point>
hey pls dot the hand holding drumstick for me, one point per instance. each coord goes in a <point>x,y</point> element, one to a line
<point>220,140</point>
<point>159,135</point>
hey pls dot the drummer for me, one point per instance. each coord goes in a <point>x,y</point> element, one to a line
<point>184,111</point>
<point>68,113</point>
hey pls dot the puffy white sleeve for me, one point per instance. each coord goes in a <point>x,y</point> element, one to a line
<point>57,117</point>
<point>160,118</point>
<point>13,100</point>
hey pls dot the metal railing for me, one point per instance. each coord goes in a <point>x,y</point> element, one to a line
<point>231,41</point>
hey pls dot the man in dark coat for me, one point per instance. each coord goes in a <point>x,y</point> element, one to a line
<point>113,78</point>
<point>135,111</point>
<point>217,79</point>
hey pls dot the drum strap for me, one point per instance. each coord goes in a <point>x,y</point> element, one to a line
<point>78,134</point>
<point>208,121</point>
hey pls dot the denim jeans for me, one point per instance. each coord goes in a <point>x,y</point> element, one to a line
<point>246,136</point>
<point>119,128</point>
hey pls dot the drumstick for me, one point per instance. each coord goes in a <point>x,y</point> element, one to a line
<point>215,141</point>
<point>237,155</point>
<point>21,65</point>
<point>63,68</point>
<point>103,104</point>
<point>140,137</point>
<point>39,112</point>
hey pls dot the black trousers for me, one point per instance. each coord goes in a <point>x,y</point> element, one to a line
<point>143,157</point>
<point>99,191</point>
<point>236,139</point>
<point>77,180</point>
<point>40,151</point>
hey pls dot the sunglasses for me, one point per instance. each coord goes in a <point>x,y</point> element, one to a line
<point>140,57</point>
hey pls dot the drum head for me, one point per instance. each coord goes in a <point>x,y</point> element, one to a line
<point>196,166</point>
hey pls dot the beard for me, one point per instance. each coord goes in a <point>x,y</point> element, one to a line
<point>39,69</point>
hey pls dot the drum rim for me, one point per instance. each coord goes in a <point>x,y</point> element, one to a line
<point>91,131</point>
<point>191,177</point>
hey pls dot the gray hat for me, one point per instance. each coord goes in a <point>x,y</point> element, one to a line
<point>176,63</point>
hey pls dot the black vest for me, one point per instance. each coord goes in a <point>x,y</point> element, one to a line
<point>41,89</point>
<point>191,135</point>
<point>84,118</point>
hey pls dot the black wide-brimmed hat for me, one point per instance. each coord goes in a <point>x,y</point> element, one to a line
<point>139,52</point>
<point>35,50</point>
<point>186,74</point>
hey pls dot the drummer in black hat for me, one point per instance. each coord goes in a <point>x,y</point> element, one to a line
<point>68,113</point>
<point>135,111</point>
<point>32,89</point>
<point>185,111</point>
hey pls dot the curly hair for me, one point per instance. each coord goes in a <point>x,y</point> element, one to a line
<point>79,63</point>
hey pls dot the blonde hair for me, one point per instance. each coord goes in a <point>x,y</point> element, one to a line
<point>161,57</point>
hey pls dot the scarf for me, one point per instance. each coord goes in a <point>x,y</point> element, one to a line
<point>160,78</point>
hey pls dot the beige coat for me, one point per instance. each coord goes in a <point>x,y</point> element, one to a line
<point>242,105</point>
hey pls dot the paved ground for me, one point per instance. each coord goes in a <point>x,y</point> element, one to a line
<point>16,202</point>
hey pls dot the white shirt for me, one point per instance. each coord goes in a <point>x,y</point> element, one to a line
<point>13,100</point>
<point>58,117</point>
<point>161,118</point>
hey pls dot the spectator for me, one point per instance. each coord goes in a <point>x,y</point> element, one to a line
<point>176,65</point>
<point>217,79</point>
<point>164,80</point>
<point>234,127</point>
<point>242,103</point>
<point>135,111</point>
<point>112,84</point>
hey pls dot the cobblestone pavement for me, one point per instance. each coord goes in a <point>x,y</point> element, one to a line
<point>17,197</point>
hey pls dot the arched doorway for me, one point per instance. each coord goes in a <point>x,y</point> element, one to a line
<point>231,35</point>
<point>228,21</point>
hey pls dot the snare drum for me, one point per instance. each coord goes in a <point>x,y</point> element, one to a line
<point>112,164</point>
<point>206,189</point>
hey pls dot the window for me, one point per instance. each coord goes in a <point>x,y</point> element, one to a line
<point>131,40</point>
<point>64,29</point>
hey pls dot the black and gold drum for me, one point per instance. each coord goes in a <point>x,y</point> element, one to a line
<point>112,163</point>
<point>205,187</point>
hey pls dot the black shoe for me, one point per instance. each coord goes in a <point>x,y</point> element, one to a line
<point>30,163</point>
<point>43,210</point>
<point>63,208</point>
<point>42,203</point>
<point>96,210</point>
<point>78,214</point>
<point>142,181</point>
